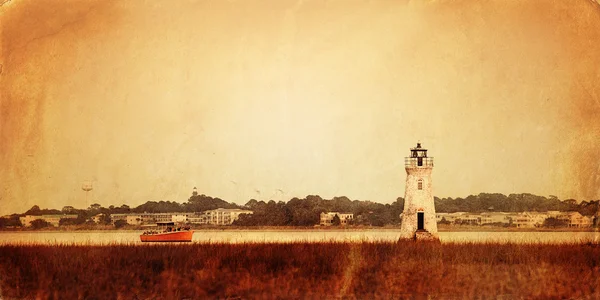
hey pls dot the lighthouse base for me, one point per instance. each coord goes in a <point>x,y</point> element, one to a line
<point>422,236</point>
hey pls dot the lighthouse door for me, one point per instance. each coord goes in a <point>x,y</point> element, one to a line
<point>420,221</point>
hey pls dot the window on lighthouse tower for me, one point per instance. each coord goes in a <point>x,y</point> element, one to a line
<point>420,184</point>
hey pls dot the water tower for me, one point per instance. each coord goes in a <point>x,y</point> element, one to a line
<point>87,187</point>
<point>418,218</point>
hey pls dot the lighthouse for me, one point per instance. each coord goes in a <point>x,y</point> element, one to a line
<point>418,217</point>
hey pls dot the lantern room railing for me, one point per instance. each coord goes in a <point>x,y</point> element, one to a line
<point>415,162</point>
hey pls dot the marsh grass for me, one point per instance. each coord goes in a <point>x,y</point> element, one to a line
<point>300,270</point>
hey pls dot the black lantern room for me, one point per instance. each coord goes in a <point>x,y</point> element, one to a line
<point>418,151</point>
<point>418,157</point>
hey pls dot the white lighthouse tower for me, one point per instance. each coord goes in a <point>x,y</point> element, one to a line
<point>418,218</point>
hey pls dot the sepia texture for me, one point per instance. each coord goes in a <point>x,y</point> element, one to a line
<point>277,99</point>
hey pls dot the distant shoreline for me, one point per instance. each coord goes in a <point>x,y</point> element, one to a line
<point>443,228</point>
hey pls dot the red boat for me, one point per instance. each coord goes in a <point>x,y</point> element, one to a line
<point>170,233</point>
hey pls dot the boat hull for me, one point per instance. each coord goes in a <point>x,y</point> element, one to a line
<point>175,236</point>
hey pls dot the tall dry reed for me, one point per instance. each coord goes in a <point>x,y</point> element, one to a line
<point>300,270</point>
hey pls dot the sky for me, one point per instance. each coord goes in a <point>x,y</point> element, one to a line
<point>270,99</point>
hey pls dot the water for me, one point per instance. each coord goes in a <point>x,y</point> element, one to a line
<point>241,236</point>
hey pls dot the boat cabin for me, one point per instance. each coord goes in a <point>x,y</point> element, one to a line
<point>163,227</point>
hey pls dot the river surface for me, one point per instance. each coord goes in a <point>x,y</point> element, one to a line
<point>270,236</point>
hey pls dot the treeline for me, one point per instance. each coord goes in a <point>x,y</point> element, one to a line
<point>486,202</point>
<point>306,211</point>
<point>195,203</point>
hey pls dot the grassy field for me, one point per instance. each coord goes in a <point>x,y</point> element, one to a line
<point>300,270</point>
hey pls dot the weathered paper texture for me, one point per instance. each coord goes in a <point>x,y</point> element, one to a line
<point>276,99</point>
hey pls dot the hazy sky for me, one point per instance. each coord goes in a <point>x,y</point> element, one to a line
<point>241,98</point>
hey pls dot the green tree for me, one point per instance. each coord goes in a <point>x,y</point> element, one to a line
<point>195,203</point>
<point>95,206</point>
<point>67,209</point>
<point>444,221</point>
<point>336,220</point>
<point>554,222</point>
<point>34,211</point>
<point>69,221</point>
<point>380,220</point>
<point>251,204</point>
<point>39,223</point>
<point>105,219</point>
<point>10,221</point>
<point>120,223</point>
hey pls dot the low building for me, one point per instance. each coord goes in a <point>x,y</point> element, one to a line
<point>54,220</point>
<point>469,219</point>
<point>198,219</point>
<point>179,218</point>
<point>459,218</point>
<point>97,218</point>
<point>327,218</point>
<point>153,218</point>
<point>449,217</point>
<point>575,219</point>
<point>495,218</point>
<point>529,219</point>
<point>133,219</point>
<point>117,217</point>
<point>586,221</point>
<point>219,216</point>
<point>520,220</point>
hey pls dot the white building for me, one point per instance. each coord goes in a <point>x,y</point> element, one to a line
<point>153,218</point>
<point>133,219</point>
<point>495,218</point>
<point>97,218</point>
<point>418,217</point>
<point>327,218</point>
<point>520,220</point>
<point>117,217</point>
<point>575,219</point>
<point>449,217</point>
<point>485,218</point>
<point>219,216</point>
<point>179,218</point>
<point>52,219</point>
<point>529,219</point>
